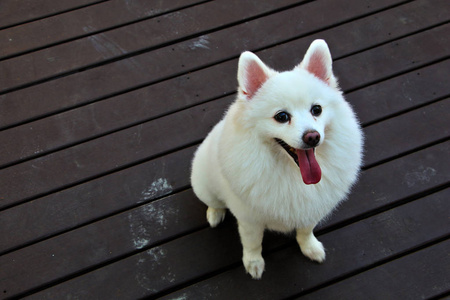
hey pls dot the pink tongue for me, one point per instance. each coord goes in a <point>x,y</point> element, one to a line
<point>309,167</point>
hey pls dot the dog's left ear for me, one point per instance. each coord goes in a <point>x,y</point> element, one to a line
<point>318,61</point>
<point>252,73</point>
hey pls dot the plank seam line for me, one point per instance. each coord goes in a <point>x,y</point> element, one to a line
<point>372,266</point>
<point>194,143</point>
<point>153,118</point>
<point>402,154</point>
<point>28,51</point>
<point>187,187</point>
<point>52,14</point>
<point>95,220</point>
<point>204,277</point>
<point>179,74</point>
<point>308,291</point>
<point>232,57</point>
<point>86,140</point>
<point>133,206</point>
<point>289,244</point>
<point>427,28</point>
<point>148,49</point>
<point>233,265</point>
<point>152,82</point>
<point>94,177</point>
<point>418,66</point>
<point>239,264</point>
<point>385,208</point>
<point>101,265</point>
<point>419,106</point>
<point>441,296</point>
<point>135,53</point>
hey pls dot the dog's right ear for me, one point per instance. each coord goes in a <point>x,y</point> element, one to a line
<point>252,73</point>
<point>318,62</point>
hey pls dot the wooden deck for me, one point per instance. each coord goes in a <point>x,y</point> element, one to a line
<point>102,104</point>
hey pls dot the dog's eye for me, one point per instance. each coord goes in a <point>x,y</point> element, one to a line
<point>316,110</point>
<point>282,117</point>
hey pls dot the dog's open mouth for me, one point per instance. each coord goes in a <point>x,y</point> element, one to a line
<point>306,160</point>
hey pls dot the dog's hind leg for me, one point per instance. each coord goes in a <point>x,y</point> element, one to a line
<point>216,209</point>
<point>310,246</point>
<point>215,215</point>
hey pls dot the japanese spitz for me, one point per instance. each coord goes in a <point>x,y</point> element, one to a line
<point>285,154</point>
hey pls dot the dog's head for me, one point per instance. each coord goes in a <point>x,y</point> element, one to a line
<point>292,109</point>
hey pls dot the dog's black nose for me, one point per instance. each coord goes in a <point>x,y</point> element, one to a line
<point>311,138</point>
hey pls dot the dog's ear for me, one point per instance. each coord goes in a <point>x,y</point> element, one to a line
<point>318,61</point>
<point>252,73</point>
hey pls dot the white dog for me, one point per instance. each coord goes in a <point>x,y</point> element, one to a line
<point>285,154</point>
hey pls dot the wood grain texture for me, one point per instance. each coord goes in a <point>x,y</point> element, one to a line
<point>287,272</point>
<point>173,60</point>
<point>419,275</point>
<point>144,226</point>
<point>81,22</point>
<point>152,101</point>
<point>14,12</point>
<point>103,104</point>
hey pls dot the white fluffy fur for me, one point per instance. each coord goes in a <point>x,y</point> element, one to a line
<point>240,166</point>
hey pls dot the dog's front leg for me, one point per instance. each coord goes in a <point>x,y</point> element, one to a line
<point>310,245</point>
<point>251,238</point>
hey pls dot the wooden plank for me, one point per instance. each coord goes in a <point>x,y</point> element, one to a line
<point>176,88</point>
<point>79,163</point>
<point>65,129</point>
<point>405,132</point>
<point>170,61</point>
<point>81,22</point>
<point>360,70</point>
<point>142,227</point>
<point>397,180</point>
<point>88,160</point>
<point>96,199</point>
<point>17,106</point>
<point>133,38</point>
<point>416,177</point>
<point>14,12</point>
<point>362,34</point>
<point>119,236</point>
<point>351,248</point>
<point>391,97</point>
<point>421,275</point>
<point>67,209</point>
<point>287,272</point>
<point>186,87</point>
<point>436,41</point>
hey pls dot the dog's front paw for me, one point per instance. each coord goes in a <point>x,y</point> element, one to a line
<point>314,250</point>
<point>255,266</point>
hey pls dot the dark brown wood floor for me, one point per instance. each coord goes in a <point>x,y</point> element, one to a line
<point>102,104</point>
